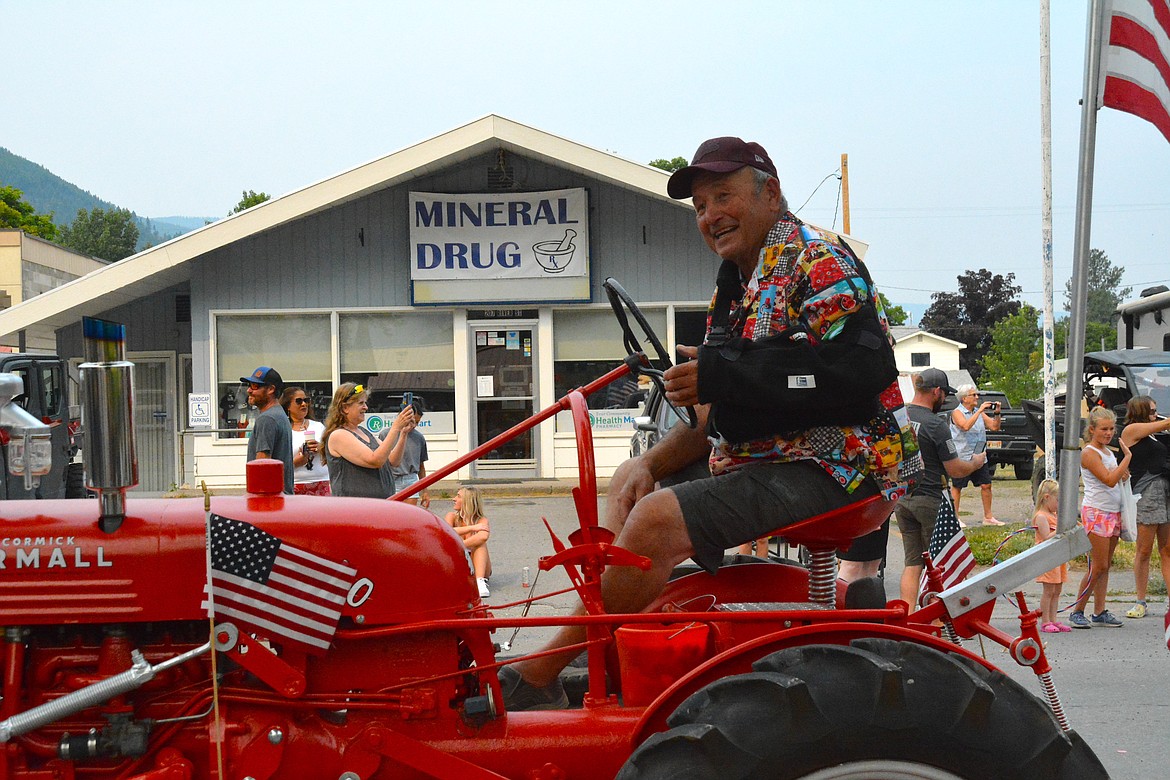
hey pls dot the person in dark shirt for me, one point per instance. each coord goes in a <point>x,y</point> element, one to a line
<point>916,512</point>
<point>272,433</point>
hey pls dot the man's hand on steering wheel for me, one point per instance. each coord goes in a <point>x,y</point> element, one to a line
<point>681,382</point>
<point>621,302</point>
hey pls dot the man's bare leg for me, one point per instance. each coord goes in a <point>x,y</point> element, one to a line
<point>655,529</point>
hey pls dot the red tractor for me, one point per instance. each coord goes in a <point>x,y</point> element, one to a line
<point>348,642</point>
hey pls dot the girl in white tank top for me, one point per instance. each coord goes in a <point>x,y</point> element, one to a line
<point>1100,515</point>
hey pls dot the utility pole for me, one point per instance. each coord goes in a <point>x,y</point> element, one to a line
<point>845,193</point>
<point>1049,373</point>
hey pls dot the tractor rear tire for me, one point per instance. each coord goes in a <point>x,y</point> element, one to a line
<point>1024,470</point>
<point>831,711</point>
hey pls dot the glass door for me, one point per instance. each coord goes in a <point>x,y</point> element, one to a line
<point>504,393</point>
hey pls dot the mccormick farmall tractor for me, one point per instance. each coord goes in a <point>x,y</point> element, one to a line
<point>348,642</point>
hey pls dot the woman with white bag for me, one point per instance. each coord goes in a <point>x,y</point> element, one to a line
<point>1150,480</point>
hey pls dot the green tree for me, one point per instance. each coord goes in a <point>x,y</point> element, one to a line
<point>895,314</point>
<point>15,212</point>
<point>670,166</point>
<point>249,199</point>
<point>109,235</point>
<point>1098,336</point>
<point>1105,290</point>
<point>983,299</point>
<point>1013,360</point>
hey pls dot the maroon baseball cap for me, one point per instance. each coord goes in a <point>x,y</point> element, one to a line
<point>719,155</point>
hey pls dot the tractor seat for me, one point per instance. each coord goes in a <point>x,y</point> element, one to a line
<point>837,529</point>
<point>826,533</point>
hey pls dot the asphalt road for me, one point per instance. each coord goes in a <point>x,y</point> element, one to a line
<point>1113,682</point>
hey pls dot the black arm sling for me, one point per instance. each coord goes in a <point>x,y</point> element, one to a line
<point>784,382</point>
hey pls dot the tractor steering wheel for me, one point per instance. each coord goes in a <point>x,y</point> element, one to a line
<point>621,302</point>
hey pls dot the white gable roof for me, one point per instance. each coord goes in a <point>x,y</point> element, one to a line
<point>165,265</point>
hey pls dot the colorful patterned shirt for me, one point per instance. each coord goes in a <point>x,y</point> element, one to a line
<point>805,277</point>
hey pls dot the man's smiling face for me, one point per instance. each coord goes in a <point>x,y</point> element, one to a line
<point>733,218</point>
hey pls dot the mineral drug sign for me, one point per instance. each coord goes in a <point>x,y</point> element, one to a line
<point>531,246</point>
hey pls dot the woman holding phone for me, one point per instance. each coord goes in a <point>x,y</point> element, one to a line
<point>969,427</point>
<point>360,465</point>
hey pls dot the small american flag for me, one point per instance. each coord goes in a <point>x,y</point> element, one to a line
<point>274,587</point>
<point>948,548</point>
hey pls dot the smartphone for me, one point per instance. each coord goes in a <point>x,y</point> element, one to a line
<point>980,447</point>
<point>407,400</point>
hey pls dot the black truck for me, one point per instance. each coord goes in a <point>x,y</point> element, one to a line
<point>36,401</point>
<point>1110,378</point>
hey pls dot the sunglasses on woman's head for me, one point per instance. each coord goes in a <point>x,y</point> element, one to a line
<point>357,390</point>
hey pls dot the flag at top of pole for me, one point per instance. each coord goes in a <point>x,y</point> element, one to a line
<point>1135,60</point>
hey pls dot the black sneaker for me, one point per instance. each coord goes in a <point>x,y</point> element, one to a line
<point>519,694</point>
<point>1106,618</point>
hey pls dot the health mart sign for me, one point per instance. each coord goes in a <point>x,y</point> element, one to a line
<point>512,247</point>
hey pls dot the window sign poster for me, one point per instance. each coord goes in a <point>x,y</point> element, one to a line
<point>485,386</point>
<point>495,339</point>
<point>485,236</point>
<point>528,348</point>
<point>512,339</point>
<point>481,338</point>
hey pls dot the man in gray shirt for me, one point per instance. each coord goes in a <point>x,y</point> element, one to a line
<point>272,433</point>
<point>412,467</point>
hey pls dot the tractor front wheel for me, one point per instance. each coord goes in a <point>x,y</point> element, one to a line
<point>876,708</point>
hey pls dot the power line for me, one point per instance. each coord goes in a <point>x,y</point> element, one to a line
<point>814,192</point>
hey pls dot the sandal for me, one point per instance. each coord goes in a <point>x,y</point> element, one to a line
<point>992,521</point>
<point>1050,628</point>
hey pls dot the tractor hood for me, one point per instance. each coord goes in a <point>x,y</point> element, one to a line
<point>57,566</point>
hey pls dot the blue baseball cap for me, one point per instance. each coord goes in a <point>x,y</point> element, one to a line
<point>265,376</point>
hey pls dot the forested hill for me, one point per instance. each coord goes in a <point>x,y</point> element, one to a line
<point>48,193</point>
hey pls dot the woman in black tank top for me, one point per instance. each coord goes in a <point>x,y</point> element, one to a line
<point>360,465</point>
<point>1148,476</point>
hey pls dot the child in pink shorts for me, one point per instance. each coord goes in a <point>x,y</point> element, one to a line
<point>1101,474</point>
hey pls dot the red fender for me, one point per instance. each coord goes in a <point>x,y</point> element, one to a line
<point>739,659</point>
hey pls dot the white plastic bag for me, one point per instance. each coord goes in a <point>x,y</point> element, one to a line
<point>1129,501</point>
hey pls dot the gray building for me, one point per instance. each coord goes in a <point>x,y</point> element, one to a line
<point>466,269</point>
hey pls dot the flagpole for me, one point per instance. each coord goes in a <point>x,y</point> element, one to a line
<point>1046,240</point>
<point>217,730</point>
<point>1069,512</point>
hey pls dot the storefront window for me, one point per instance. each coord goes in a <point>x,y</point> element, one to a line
<point>586,344</point>
<point>296,345</point>
<point>392,354</point>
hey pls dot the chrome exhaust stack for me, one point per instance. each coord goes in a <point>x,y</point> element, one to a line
<point>107,397</point>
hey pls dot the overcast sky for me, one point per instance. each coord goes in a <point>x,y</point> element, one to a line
<point>172,108</point>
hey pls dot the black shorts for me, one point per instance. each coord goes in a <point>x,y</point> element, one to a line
<point>871,547</point>
<point>980,476</point>
<point>727,510</point>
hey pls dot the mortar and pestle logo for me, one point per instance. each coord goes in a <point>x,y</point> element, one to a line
<point>554,256</point>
